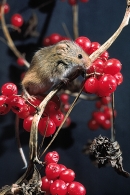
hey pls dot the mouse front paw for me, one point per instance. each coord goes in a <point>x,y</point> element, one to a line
<point>65,80</point>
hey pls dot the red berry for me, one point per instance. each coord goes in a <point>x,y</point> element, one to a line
<point>52,171</point>
<point>51,107</point>
<point>34,104</point>
<point>104,56</point>
<point>98,104</point>
<point>27,122</point>
<point>46,126</point>
<point>17,20</point>
<point>67,175</point>
<point>107,84</point>
<point>62,167</point>
<point>20,61</point>
<point>94,47</point>
<point>9,89</point>
<point>24,112</point>
<point>119,78</point>
<point>93,125</point>
<point>51,157</point>
<point>112,66</point>
<point>108,113</point>
<point>106,100</point>
<point>97,66</point>
<point>64,38</point>
<point>46,41</point>
<point>76,188</point>
<point>66,107</point>
<point>58,187</point>
<point>56,99</point>
<point>4,106</point>
<point>72,2</point>
<point>106,124</point>
<point>6,8</point>
<point>64,98</point>
<point>91,85</point>
<point>17,103</point>
<point>57,117</point>
<point>84,43</point>
<point>55,38</point>
<point>99,117</point>
<point>67,122</point>
<point>46,183</point>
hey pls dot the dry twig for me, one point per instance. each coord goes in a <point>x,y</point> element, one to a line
<point>10,42</point>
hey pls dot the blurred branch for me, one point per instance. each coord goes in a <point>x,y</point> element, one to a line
<point>10,42</point>
<point>75,20</point>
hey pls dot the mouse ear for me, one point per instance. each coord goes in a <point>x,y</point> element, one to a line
<point>62,47</point>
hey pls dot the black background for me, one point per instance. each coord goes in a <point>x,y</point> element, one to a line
<point>98,20</point>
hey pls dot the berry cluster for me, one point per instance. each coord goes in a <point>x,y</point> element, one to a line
<point>104,73</point>
<point>53,39</point>
<point>58,179</point>
<point>51,118</point>
<point>101,117</point>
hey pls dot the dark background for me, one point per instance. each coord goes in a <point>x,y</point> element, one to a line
<point>98,20</point>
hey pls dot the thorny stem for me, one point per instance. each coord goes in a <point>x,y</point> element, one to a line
<point>75,20</point>
<point>113,131</point>
<point>109,42</point>
<point>10,42</point>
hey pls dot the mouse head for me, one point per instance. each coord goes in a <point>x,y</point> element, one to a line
<point>73,54</point>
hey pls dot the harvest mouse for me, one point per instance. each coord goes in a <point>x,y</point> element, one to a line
<point>53,64</point>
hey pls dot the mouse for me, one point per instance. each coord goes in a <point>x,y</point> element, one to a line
<point>52,65</point>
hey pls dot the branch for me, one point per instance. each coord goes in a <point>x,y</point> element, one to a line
<point>109,42</point>
<point>75,20</point>
<point>10,42</point>
<point>19,143</point>
<point>82,96</point>
<point>33,142</point>
<point>67,114</point>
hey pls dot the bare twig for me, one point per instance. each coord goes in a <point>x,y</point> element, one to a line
<point>18,142</point>
<point>109,42</point>
<point>10,42</point>
<point>3,40</point>
<point>13,27</point>
<point>34,128</point>
<point>75,20</point>
<point>67,114</point>
<point>113,131</point>
<point>82,96</point>
<point>66,30</point>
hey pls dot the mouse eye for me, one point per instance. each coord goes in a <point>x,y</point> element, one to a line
<point>80,56</point>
